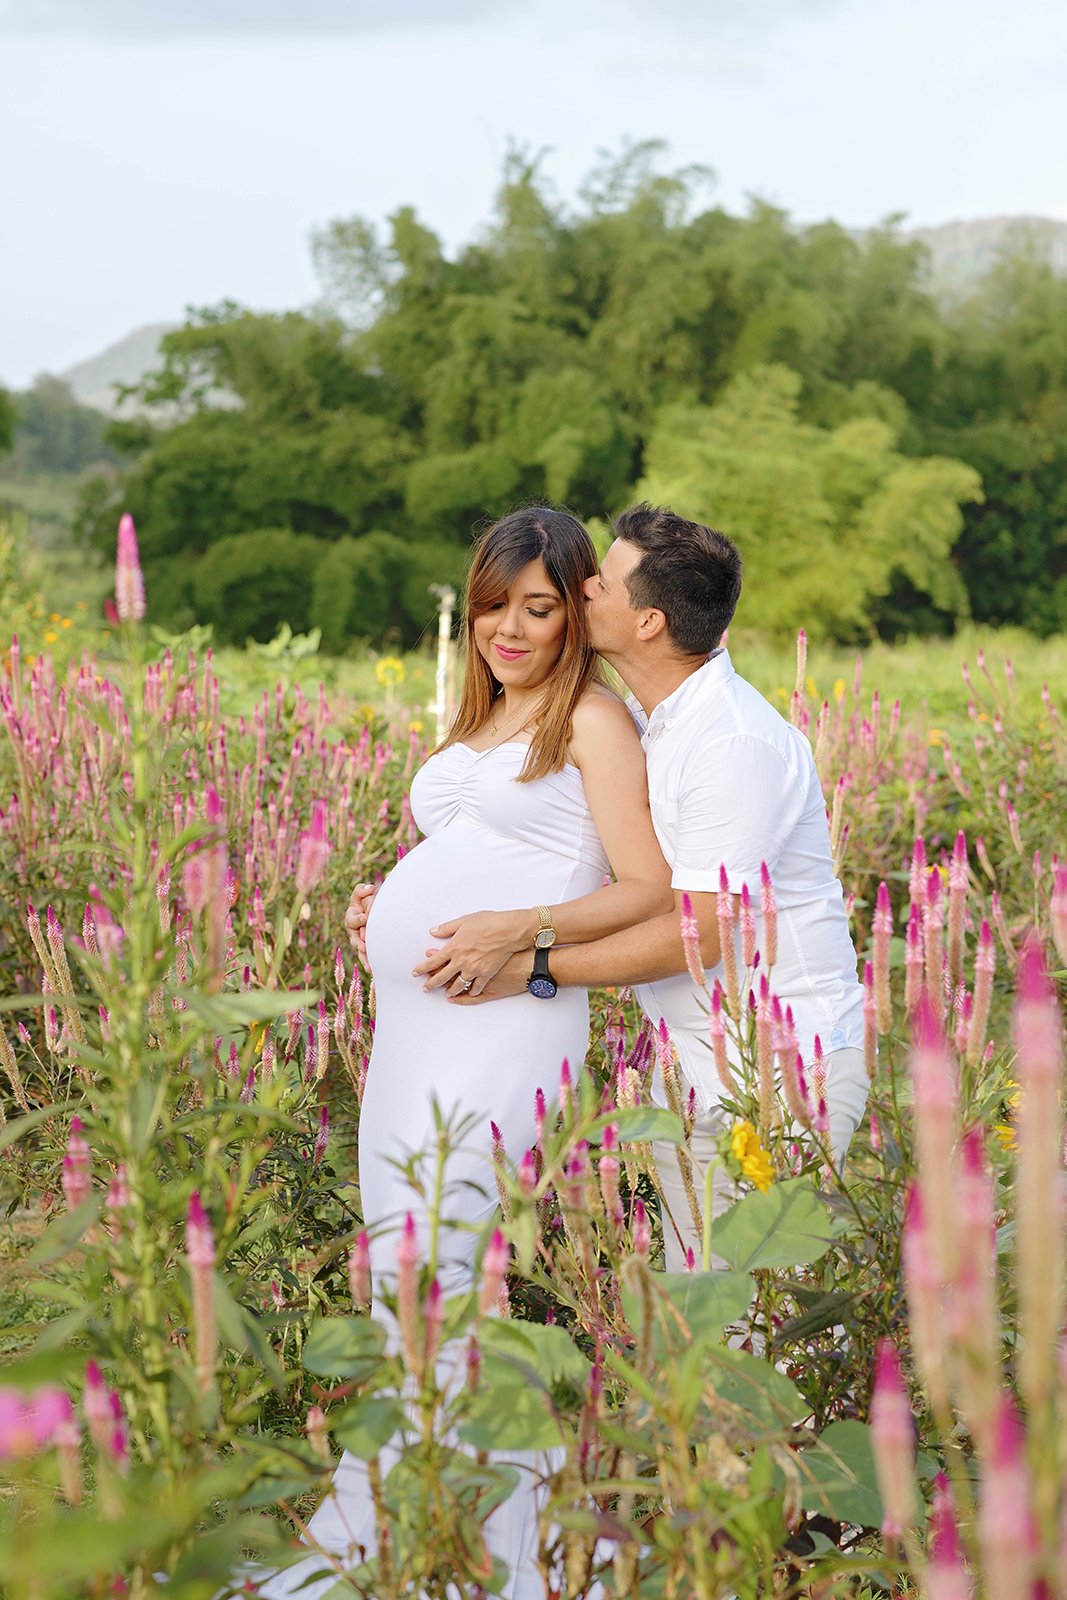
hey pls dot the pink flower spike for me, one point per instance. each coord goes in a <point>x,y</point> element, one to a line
<point>893,1441</point>
<point>769,913</point>
<point>642,1229</point>
<point>1058,914</point>
<point>691,943</point>
<point>359,1270</point>
<point>565,1086</point>
<point>199,1239</point>
<point>882,930</point>
<point>433,1317</point>
<point>407,1262</point>
<point>314,851</point>
<point>748,929</point>
<point>129,582</point>
<point>77,1167</point>
<point>528,1173</point>
<point>494,1267</point>
<point>322,1137</point>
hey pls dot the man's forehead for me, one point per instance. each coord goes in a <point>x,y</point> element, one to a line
<point>621,556</point>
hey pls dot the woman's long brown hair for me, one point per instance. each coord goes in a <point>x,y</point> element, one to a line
<point>561,544</point>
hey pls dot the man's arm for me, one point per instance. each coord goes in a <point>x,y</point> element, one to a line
<point>642,954</point>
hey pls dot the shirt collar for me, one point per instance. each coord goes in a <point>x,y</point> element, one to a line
<point>697,688</point>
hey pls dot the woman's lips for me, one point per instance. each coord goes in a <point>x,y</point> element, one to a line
<point>506,654</point>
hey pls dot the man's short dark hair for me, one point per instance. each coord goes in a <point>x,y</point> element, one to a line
<point>690,573</point>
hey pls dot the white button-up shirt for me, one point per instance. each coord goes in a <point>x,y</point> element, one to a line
<point>731,783</point>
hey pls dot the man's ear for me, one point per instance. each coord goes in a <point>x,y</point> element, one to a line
<point>653,625</point>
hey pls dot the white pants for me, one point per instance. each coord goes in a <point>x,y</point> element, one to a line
<point>846,1096</point>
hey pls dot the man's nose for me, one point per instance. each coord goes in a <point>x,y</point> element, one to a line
<point>588,587</point>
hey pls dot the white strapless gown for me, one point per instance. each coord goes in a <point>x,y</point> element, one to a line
<point>491,844</point>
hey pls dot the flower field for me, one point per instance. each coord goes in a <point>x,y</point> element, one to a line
<point>869,1398</point>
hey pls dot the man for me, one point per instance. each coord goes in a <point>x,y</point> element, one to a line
<point>731,785</point>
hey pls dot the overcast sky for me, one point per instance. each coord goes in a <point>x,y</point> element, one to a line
<point>160,153</point>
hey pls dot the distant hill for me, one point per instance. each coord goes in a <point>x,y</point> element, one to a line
<point>960,254</point>
<point>963,252</point>
<point>93,381</point>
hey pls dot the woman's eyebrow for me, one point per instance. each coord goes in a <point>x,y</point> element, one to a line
<point>540,594</point>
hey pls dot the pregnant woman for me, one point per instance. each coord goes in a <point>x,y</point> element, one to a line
<point>538,789</point>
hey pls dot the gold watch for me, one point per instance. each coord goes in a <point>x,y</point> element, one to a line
<point>545,937</point>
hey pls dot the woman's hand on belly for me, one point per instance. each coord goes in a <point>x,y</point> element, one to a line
<point>356,918</point>
<point>478,946</point>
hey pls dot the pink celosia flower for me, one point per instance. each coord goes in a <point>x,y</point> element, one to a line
<point>691,943</point>
<point>985,966</point>
<point>200,1255</point>
<point>1058,914</point>
<point>717,1029</point>
<point>769,914</point>
<point>726,914</point>
<point>958,881</point>
<point>494,1268</point>
<point>407,1314</point>
<point>642,1229</point>
<point>77,1167</point>
<point>314,851</point>
<point>1006,1532</point>
<point>926,1298</point>
<point>359,1270</point>
<point>882,930</point>
<point>433,1317</point>
<point>893,1442</point>
<point>528,1172</point>
<point>318,1433</point>
<point>129,582</point>
<point>935,1099</point>
<point>946,1576</point>
<point>322,1137</point>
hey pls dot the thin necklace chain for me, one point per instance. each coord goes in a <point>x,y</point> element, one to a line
<point>507,730</point>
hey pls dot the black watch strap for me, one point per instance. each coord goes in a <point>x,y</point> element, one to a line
<point>541,982</point>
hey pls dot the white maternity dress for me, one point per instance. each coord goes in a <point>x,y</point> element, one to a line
<point>491,844</point>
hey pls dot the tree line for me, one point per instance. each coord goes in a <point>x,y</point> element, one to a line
<point>886,462</point>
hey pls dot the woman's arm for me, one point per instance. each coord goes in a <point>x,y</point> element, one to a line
<point>607,750</point>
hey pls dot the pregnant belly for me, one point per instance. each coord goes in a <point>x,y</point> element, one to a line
<point>449,875</point>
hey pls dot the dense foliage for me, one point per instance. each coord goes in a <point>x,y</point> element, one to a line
<point>798,385</point>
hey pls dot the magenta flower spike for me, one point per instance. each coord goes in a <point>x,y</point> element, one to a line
<point>1039,1239</point>
<point>200,1256</point>
<point>769,914</point>
<point>565,1087</point>
<point>540,1111</point>
<point>642,1229</point>
<point>914,962</point>
<point>933,944</point>
<point>407,1312</point>
<point>1058,914</point>
<point>973,1313</point>
<point>958,881</point>
<point>77,1167</point>
<point>494,1269</point>
<point>917,876</point>
<point>691,943</point>
<point>528,1173</point>
<point>985,966</point>
<point>726,914</point>
<point>882,930</point>
<point>717,1028</point>
<point>318,1433</point>
<point>1006,1532</point>
<point>946,1576</point>
<point>893,1442</point>
<point>321,1138</point>
<point>433,1317</point>
<point>314,851</point>
<point>129,582</point>
<point>935,1117</point>
<point>359,1270</point>
<point>870,1021</point>
<point>747,924</point>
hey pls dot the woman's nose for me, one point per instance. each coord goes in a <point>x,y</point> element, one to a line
<point>511,622</point>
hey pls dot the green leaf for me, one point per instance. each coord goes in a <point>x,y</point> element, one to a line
<point>766,1397</point>
<point>838,1477</point>
<point>345,1347</point>
<point>787,1227</point>
<point>367,1424</point>
<point>509,1417</point>
<point>823,1312</point>
<point>640,1124</point>
<point>243,1331</point>
<point>61,1236</point>
<point>32,1119</point>
<point>544,1351</point>
<point>224,1011</point>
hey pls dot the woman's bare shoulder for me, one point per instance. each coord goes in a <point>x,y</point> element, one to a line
<point>601,714</point>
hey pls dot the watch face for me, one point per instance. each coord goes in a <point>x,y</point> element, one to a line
<point>542,988</point>
<point>545,938</point>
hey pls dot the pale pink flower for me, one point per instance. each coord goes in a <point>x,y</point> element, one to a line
<point>359,1270</point>
<point>642,1229</point>
<point>913,960</point>
<point>1058,914</point>
<point>935,1114</point>
<point>433,1317</point>
<point>407,1313</point>
<point>322,1137</point>
<point>727,915</point>
<point>318,1433</point>
<point>958,880</point>
<point>129,582</point>
<point>691,943</point>
<point>893,1442</point>
<point>77,1167</point>
<point>882,930</point>
<point>985,966</point>
<point>946,1576</point>
<point>747,923</point>
<point>200,1256</point>
<point>494,1268</point>
<point>717,1029</point>
<point>528,1173</point>
<point>314,851</point>
<point>870,1020</point>
<point>1006,1532</point>
<point>1039,1241</point>
<point>769,914</point>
